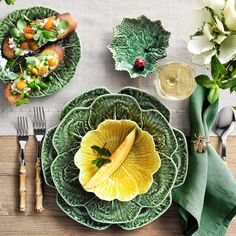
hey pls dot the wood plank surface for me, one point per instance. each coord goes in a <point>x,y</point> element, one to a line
<point>53,221</point>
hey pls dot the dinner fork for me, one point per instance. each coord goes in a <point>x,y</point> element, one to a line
<point>39,125</point>
<point>22,134</point>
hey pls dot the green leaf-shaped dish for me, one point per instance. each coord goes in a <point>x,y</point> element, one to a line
<point>65,71</point>
<point>138,38</point>
<point>66,174</point>
<point>78,122</point>
<point>80,215</point>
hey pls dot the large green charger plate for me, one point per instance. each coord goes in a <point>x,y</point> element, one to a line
<point>65,71</point>
<point>71,175</point>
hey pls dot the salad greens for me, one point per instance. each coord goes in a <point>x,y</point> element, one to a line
<point>32,78</point>
<point>29,35</point>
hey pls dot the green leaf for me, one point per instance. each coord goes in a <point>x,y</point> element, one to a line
<point>43,85</point>
<point>15,33</point>
<point>204,81</point>
<point>19,53</point>
<point>38,35</point>
<point>47,34</point>
<point>12,76</point>
<point>234,107</point>
<point>32,85</point>
<point>10,2</point>
<point>217,69</point>
<point>101,151</point>
<point>32,61</point>
<point>22,101</point>
<point>213,94</point>
<point>99,162</point>
<point>63,24</point>
<point>21,24</point>
<point>230,83</point>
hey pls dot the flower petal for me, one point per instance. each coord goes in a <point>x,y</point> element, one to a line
<point>200,44</point>
<point>227,49</point>
<point>219,24</point>
<point>220,38</point>
<point>216,5</point>
<point>207,31</point>
<point>230,14</point>
<point>203,58</point>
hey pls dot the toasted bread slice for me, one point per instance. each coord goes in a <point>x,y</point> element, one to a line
<point>56,51</point>
<point>10,53</point>
<point>12,99</point>
<point>7,51</point>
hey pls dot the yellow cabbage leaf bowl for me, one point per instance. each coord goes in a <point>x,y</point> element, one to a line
<point>117,160</point>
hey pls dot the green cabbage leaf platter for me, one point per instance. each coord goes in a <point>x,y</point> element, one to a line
<point>71,44</point>
<point>85,113</point>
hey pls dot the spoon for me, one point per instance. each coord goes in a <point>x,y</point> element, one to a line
<point>224,126</point>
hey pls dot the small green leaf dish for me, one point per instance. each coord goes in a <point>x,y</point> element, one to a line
<point>138,44</point>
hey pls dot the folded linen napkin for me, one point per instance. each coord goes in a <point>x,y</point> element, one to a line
<point>208,197</point>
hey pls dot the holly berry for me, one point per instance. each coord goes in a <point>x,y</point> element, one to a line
<point>139,64</point>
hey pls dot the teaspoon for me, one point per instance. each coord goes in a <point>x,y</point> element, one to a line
<point>224,126</point>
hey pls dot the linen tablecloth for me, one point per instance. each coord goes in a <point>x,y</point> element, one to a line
<point>96,68</point>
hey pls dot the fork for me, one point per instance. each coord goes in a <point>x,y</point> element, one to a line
<point>22,134</point>
<point>39,125</point>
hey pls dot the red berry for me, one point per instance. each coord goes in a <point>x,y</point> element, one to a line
<point>139,63</point>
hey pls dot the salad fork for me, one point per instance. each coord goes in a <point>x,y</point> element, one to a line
<point>39,125</point>
<point>22,134</point>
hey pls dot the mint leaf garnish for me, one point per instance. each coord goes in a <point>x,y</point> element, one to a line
<point>204,81</point>
<point>99,162</point>
<point>101,151</point>
<point>217,69</point>
<point>213,94</point>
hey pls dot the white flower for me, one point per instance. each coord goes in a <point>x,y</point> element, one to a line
<point>216,34</point>
<point>230,14</point>
<point>227,49</point>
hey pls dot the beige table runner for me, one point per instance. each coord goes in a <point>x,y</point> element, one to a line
<point>96,20</point>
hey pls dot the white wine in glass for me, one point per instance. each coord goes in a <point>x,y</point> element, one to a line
<point>175,80</point>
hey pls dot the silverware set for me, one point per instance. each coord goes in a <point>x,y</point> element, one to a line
<point>39,126</point>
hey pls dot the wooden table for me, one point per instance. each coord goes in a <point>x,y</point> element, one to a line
<point>53,221</point>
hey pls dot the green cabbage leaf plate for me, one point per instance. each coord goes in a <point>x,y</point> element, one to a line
<point>138,38</point>
<point>83,114</point>
<point>65,71</point>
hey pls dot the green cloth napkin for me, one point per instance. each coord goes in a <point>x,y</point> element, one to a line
<point>208,197</point>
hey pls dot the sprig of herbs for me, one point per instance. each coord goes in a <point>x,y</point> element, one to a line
<point>222,77</point>
<point>99,162</point>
